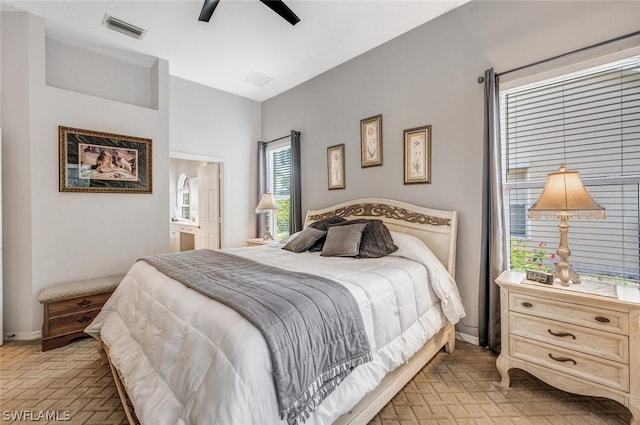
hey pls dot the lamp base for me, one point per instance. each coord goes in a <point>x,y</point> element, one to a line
<point>267,236</point>
<point>267,228</point>
<point>563,269</point>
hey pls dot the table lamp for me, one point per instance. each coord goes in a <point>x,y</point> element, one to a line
<point>266,205</point>
<point>563,197</point>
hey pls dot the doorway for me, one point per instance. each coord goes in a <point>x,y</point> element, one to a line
<point>196,200</point>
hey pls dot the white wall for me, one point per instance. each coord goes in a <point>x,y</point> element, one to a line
<point>16,164</point>
<point>55,237</point>
<point>77,69</point>
<point>209,122</point>
<point>428,76</point>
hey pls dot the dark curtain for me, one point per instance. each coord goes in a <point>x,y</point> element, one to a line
<point>295,216</point>
<point>492,260</point>
<point>295,212</point>
<point>262,184</point>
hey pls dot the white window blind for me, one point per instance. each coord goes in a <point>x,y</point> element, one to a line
<point>589,120</point>
<point>279,183</point>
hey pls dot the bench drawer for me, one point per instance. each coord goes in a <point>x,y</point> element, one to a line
<point>71,323</point>
<point>78,304</point>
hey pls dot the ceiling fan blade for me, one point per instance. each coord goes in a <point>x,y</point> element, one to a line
<point>207,10</point>
<point>281,9</point>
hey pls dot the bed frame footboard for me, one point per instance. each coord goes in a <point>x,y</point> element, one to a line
<point>103,350</point>
<point>373,403</point>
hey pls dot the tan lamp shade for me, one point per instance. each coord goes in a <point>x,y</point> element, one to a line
<point>267,203</point>
<point>565,195</point>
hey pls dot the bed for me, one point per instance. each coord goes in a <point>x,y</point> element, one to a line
<point>179,357</point>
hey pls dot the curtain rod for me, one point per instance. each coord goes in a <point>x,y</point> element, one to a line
<point>602,43</point>
<point>279,138</point>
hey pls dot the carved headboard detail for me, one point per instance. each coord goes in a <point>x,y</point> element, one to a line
<point>383,210</point>
<point>436,228</point>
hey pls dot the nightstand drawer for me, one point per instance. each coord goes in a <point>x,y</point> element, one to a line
<point>601,371</point>
<point>582,315</point>
<point>74,305</point>
<point>73,323</point>
<point>590,341</point>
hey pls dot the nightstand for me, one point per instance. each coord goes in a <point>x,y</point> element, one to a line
<point>258,241</point>
<point>582,339</point>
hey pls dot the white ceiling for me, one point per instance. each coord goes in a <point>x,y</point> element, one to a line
<point>243,36</point>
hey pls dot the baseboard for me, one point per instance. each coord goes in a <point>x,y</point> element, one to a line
<point>22,336</point>
<point>468,338</point>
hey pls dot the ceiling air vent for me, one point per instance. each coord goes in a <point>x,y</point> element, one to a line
<point>123,27</point>
<point>256,79</point>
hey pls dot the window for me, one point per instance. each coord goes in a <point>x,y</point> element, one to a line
<point>183,197</point>
<point>590,120</point>
<point>517,202</point>
<point>279,183</point>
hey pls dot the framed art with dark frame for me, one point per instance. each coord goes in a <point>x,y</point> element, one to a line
<point>417,155</point>
<point>371,141</point>
<point>335,167</point>
<point>93,161</point>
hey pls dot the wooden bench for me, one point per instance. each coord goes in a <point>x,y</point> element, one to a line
<point>70,307</point>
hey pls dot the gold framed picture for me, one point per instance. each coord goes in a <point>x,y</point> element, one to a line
<point>371,141</point>
<point>417,155</point>
<point>93,161</point>
<point>335,167</point>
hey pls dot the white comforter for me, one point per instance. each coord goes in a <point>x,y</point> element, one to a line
<point>187,359</point>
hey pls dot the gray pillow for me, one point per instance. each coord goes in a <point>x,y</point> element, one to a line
<point>304,240</point>
<point>343,241</point>
<point>376,239</point>
<point>322,225</point>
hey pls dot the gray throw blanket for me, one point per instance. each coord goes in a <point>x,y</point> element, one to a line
<point>312,325</point>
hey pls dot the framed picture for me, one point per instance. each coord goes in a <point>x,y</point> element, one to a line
<point>371,141</point>
<point>92,161</point>
<point>417,155</point>
<point>335,167</point>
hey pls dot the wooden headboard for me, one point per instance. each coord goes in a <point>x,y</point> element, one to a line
<point>436,228</point>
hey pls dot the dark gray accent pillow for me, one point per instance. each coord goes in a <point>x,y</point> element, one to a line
<point>304,240</point>
<point>343,241</point>
<point>322,225</point>
<point>376,239</point>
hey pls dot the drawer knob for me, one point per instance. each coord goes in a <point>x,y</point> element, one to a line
<point>561,334</point>
<point>526,304</point>
<point>563,359</point>
<point>83,303</point>
<point>83,319</point>
<point>602,319</point>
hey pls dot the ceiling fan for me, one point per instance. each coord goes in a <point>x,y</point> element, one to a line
<point>277,6</point>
